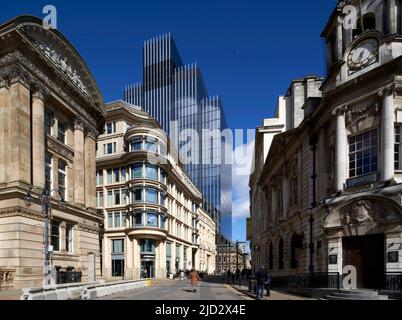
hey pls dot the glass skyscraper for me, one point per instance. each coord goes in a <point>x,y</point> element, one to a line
<point>175,94</point>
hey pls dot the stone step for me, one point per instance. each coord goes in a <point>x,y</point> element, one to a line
<point>359,292</point>
<point>357,296</point>
<point>354,298</point>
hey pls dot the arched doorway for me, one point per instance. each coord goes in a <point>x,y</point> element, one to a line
<point>361,233</point>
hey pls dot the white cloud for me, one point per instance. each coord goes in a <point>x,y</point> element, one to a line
<point>240,180</point>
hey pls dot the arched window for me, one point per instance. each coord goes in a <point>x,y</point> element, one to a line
<point>281,264</point>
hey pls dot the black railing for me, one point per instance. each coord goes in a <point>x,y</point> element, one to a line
<point>323,280</point>
<point>68,277</point>
<point>393,281</point>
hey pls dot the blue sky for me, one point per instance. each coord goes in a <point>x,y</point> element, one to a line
<point>248,51</point>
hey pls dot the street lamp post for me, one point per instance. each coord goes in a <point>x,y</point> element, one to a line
<point>46,207</point>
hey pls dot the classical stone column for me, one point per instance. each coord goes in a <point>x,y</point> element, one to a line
<point>387,137</point>
<point>391,16</point>
<point>38,138</point>
<point>136,260</point>
<point>130,260</point>
<point>19,147</point>
<point>173,257</point>
<point>339,39</point>
<point>285,193</point>
<point>79,163</point>
<point>341,146</point>
<point>4,128</point>
<point>90,170</point>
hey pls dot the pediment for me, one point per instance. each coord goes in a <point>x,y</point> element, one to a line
<point>59,53</point>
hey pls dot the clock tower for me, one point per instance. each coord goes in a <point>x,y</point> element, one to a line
<point>361,36</point>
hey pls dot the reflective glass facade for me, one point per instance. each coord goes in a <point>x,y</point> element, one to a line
<point>175,95</point>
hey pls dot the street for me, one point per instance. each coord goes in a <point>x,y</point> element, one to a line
<point>210,288</point>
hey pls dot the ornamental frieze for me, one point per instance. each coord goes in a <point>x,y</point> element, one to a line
<point>86,228</point>
<point>21,212</point>
<point>62,63</point>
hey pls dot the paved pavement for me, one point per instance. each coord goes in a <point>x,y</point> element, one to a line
<point>208,289</point>
<point>274,295</point>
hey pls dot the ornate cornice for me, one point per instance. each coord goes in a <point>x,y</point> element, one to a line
<point>21,212</point>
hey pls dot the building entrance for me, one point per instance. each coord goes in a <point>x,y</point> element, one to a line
<point>147,268</point>
<point>367,255</point>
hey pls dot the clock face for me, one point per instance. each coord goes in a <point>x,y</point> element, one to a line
<point>363,54</point>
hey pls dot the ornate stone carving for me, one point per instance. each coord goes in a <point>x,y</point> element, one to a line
<point>361,212</point>
<point>40,92</point>
<point>17,57</point>
<point>4,79</point>
<point>21,212</point>
<point>356,115</point>
<point>62,63</point>
<point>93,134</point>
<point>19,75</point>
<point>60,149</point>
<point>86,228</point>
<point>79,124</point>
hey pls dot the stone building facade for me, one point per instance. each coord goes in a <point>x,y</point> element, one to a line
<point>154,222</point>
<point>339,170</point>
<point>50,114</point>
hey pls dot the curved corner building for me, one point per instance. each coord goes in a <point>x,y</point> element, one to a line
<point>154,223</point>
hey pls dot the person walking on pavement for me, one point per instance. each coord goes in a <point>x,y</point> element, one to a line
<point>229,275</point>
<point>194,278</point>
<point>268,285</point>
<point>261,278</point>
<point>238,277</point>
<point>181,274</point>
<point>233,276</point>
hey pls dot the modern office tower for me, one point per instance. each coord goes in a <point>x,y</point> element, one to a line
<point>175,94</point>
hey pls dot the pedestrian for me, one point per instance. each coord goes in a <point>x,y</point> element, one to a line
<point>268,285</point>
<point>233,276</point>
<point>194,278</point>
<point>229,275</point>
<point>238,276</point>
<point>181,274</point>
<point>261,278</point>
<point>243,273</point>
